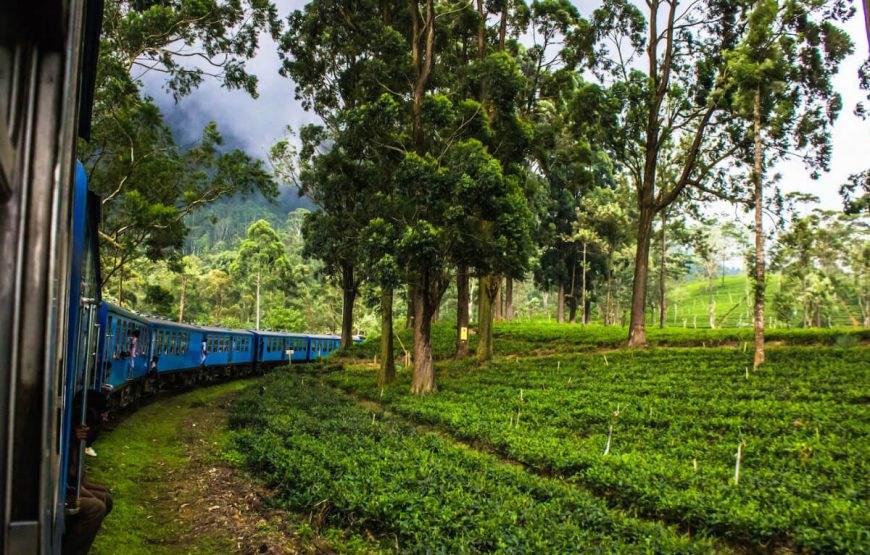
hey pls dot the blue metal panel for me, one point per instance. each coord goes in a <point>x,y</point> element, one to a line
<point>125,356</point>
<point>75,327</point>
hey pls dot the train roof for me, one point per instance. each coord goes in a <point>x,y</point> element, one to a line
<point>124,312</point>
<point>322,336</point>
<point>272,333</point>
<point>194,327</point>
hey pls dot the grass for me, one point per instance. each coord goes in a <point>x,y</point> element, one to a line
<point>135,461</point>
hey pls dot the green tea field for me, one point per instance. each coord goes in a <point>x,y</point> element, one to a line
<point>567,443</point>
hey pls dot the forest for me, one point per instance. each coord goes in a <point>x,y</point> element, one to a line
<point>594,313</point>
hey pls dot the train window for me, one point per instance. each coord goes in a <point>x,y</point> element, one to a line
<point>122,336</point>
<point>113,336</point>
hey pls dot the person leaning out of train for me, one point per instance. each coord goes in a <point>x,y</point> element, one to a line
<point>95,502</point>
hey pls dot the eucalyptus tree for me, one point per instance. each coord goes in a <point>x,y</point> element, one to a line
<point>262,261</point>
<point>149,183</point>
<point>602,227</point>
<point>342,58</point>
<point>496,78</point>
<point>678,98</point>
<point>686,96</point>
<point>187,42</point>
<point>781,72</point>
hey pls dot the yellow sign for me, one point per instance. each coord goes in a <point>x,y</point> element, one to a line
<point>463,334</point>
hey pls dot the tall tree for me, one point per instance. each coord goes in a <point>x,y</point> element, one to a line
<point>262,262</point>
<point>671,101</point>
<point>782,72</point>
<point>342,59</point>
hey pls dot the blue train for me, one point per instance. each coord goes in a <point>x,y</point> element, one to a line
<point>137,355</point>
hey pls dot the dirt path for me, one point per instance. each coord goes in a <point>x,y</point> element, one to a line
<point>174,493</point>
<point>216,500</point>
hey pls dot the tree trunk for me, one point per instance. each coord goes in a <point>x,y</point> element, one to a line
<point>258,300</point>
<point>663,310</point>
<point>481,31</point>
<point>583,289</point>
<point>121,285</point>
<point>757,175</point>
<point>423,380</point>
<point>498,305</point>
<point>502,29</point>
<point>421,59</point>
<point>409,320</point>
<point>348,289</point>
<point>560,305</point>
<point>488,293</point>
<point>572,309</point>
<point>637,324</point>
<point>608,303</point>
<point>587,313</point>
<point>711,304</point>
<point>509,300</point>
<point>387,371</point>
<point>462,312</point>
<point>181,298</point>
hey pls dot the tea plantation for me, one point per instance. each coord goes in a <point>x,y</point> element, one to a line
<point>567,443</point>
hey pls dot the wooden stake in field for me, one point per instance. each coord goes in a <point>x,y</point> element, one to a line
<point>737,466</point>
<point>695,464</point>
<point>609,436</point>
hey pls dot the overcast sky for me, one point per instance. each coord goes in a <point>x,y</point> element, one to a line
<point>255,124</point>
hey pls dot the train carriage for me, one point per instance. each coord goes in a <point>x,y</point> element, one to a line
<point>123,352</point>
<point>271,348</point>
<point>298,344</point>
<point>221,347</point>
<point>322,345</point>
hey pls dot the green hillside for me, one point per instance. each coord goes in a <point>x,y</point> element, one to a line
<point>688,305</point>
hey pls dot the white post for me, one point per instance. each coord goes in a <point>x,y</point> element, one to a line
<point>258,300</point>
<point>737,466</point>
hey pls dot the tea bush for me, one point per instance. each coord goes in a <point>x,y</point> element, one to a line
<point>415,491</point>
<point>677,417</point>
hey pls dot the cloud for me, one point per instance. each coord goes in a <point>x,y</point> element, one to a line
<point>247,123</point>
